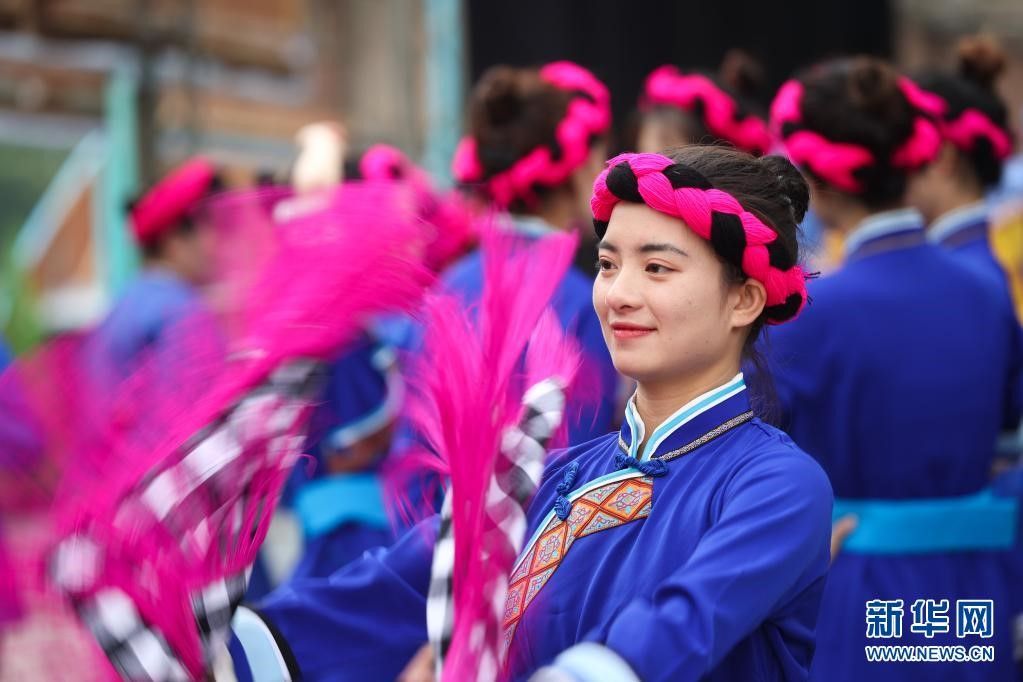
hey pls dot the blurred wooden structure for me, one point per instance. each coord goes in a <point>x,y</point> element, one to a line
<point>234,78</point>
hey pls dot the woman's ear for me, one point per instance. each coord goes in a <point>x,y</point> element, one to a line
<point>747,302</point>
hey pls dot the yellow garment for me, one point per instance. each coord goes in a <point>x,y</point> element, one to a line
<point>1007,244</point>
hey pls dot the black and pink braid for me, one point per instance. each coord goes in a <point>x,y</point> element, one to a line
<point>720,112</point>
<point>843,163</point>
<point>739,237</point>
<point>973,120</point>
<point>587,118</point>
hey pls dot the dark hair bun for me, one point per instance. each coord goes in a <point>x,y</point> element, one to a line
<point>743,74</point>
<point>872,85</point>
<point>981,60</point>
<point>858,100</point>
<point>791,184</point>
<point>511,112</point>
<point>501,94</point>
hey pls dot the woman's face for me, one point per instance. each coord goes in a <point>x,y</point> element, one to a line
<point>665,308</point>
<point>663,128</point>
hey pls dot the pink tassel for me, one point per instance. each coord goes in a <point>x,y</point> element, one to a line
<point>467,387</point>
<point>326,272</point>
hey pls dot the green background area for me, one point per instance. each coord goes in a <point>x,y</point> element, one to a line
<point>25,173</point>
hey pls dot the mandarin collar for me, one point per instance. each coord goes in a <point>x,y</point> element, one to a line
<point>886,231</point>
<point>959,223</point>
<point>691,421</point>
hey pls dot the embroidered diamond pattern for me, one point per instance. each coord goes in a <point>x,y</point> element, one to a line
<point>549,548</point>
<point>601,521</point>
<point>535,583</point>
<point>582,511</point>
<point>626,500</point>
<point>523,568</point>
<point>598,495</point>
<point>608,506</point>
<point>513,602</point>
<point>509,634</point>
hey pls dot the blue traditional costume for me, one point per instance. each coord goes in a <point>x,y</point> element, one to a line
<point>889,382</point>
<point>707,560</point>
<point>965,233</point>
<point>342,514</point>
<point>144,316</point>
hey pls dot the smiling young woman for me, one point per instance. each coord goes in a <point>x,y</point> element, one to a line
<point>691,544</point>
<point>671,318</point>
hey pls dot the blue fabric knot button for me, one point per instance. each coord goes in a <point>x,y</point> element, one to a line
<point>562,505</point>
<point>653,467</point>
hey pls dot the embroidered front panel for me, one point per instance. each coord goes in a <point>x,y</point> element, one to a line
<point>608,506</point>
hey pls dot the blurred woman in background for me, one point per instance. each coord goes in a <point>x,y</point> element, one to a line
<point>885,380</point>
<point>537,139</point>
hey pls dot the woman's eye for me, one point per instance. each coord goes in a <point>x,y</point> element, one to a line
<point>603,265</point>
<point>657,269</point>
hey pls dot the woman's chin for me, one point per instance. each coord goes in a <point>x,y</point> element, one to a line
<point>634,368</point>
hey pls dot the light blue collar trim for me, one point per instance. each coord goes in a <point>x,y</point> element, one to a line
<point>957,220</point>
<point>883,224</point>
<point>682,416</point>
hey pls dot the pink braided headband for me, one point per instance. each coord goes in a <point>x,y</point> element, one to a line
<point>588,115</point>
<point>668,86</point>
<point>444,217</point>
<point>384,162</point>
<point>837,162</point>
<point>963,130</point>
<point>172,199</point>
<point>737,235</point>
<point>973,124</point>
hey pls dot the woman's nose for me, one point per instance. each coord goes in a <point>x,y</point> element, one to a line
<point>623,293</point>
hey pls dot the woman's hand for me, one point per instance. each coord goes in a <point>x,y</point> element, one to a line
<point>840,531</point>
<point>420,668</point>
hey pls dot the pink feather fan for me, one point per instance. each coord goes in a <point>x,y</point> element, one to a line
<point>200,443</point>
<point>467,391</point>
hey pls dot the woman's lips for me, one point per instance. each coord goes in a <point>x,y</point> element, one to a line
<point>630,331</point>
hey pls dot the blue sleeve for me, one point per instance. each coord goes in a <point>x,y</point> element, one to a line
<point>365,622</point>
<point>1014,384</point>
<point>769,544</point>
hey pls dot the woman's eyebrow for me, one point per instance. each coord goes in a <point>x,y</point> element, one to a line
<point>654,248</point>
<point>607,246</point>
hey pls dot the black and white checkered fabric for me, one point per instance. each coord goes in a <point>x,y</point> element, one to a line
<point>214,606</point>
<point>203,501</point>
<point>136,650</point>
<point>517,476</point>
<point>440,609</point>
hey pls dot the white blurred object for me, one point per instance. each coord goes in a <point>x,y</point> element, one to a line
<point>320,158</point>
<point>282,549</point>
<point>72,307</point>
